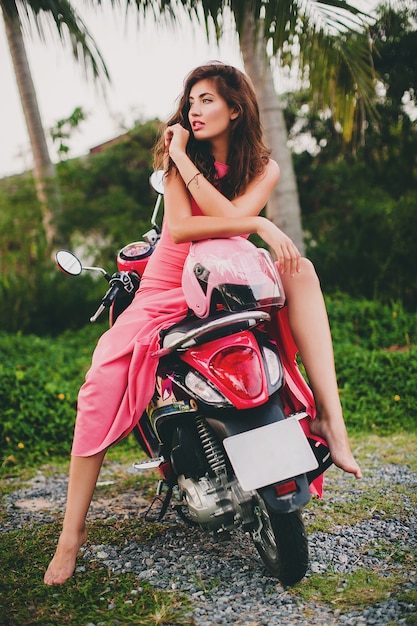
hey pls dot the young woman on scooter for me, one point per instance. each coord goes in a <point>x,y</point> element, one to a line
<point>218,178</point>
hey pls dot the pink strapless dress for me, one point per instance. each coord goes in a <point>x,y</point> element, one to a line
<point>121,380</point>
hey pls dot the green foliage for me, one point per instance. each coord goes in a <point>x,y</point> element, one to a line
<point>359,212</point>
<point>106,202</point>
<point>377,389</point>
<point>109,192</point>
<point>376,362</point>
<point>375,352</point>
<point>39,382</point>
<point>358,200</point>
<point>395,39</point>
<point>63,130</point>
<point>370,324</point>
<point>362,245</point>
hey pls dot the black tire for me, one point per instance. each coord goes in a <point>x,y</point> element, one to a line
<point>282,544</point>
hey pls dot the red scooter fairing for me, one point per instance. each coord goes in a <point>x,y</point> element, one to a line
<point>216,364</point>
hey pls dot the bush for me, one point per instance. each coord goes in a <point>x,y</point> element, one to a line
<point>39,382</point>
<point>377,388</point>
<point>370,324</point>
<point>376,362</point>
<point>366,250</point>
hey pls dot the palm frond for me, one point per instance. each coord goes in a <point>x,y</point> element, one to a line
<point>40,14</point>
<point>332,16</point>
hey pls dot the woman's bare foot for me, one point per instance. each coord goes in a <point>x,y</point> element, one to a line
<point>334,433</point>
<point>63,562</point>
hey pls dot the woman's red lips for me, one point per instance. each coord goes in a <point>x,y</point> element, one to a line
<point>197,125</point>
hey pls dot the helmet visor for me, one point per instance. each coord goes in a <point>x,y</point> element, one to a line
<point>246,281</point>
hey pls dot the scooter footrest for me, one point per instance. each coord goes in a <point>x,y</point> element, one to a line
<point>149,463</point>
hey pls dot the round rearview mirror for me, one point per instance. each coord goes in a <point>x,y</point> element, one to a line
<point>68,262</point>
<point>157,181</point>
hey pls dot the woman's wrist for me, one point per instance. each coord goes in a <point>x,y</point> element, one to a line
<point>187,169</point>
<point>262,226</point>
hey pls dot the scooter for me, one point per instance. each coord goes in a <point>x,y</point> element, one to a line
<point>227,427</point>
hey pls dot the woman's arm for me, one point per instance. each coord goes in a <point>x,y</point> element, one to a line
<point>222,218</point>
<point>183,226</point>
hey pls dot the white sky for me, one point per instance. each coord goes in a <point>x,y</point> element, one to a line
<point>147,65</point>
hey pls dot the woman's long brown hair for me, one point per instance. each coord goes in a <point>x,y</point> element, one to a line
<point>248,154</point>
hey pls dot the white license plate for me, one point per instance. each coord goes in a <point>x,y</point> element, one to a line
<point>266,455</point>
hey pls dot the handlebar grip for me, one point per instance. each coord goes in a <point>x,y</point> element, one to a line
<point>120,280</point>
<point>111,294</point>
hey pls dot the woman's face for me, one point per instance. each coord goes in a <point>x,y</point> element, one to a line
<point>209,114</point>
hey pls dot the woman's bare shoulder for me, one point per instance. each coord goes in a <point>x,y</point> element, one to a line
<point>272,169</point>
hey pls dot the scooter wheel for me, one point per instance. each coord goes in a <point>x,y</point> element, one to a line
<point>282,544</point>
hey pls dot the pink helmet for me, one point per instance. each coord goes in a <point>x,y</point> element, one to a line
<point>233,273</point>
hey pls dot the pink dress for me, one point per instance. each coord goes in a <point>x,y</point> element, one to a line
<point>121,380</point>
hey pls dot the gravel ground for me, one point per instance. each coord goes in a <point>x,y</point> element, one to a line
<point>224,578</point>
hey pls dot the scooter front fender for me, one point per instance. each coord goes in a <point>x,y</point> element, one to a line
<point>289,503</point>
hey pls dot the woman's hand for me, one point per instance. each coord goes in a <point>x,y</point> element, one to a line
<point>287,253</point>
<point>176,139</point>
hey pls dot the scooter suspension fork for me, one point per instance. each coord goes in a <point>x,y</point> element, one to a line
<point>211,447</point>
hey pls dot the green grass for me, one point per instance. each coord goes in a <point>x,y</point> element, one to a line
<point>97,596</point>
<point>399,448</point>
<point>346,592</point>
<point>410,598</point>
<point>361,503</point>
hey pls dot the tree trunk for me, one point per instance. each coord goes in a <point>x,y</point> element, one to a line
<point>44,170</point>
<point>284,206</point>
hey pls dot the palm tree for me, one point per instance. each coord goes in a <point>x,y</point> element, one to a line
<point>332,49</point>
<point>340,78</point>
<point>20,14</point>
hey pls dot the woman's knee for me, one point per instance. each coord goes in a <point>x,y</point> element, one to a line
<point>307,269</point>
<point>307,276</point>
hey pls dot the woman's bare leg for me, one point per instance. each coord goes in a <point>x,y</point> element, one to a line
<point>83,476</point>
<point>310,327</point>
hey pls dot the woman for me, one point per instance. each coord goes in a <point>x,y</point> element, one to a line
<point>218,178</point>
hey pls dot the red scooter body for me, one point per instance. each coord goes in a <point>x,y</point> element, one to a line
<point>233,363</point>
